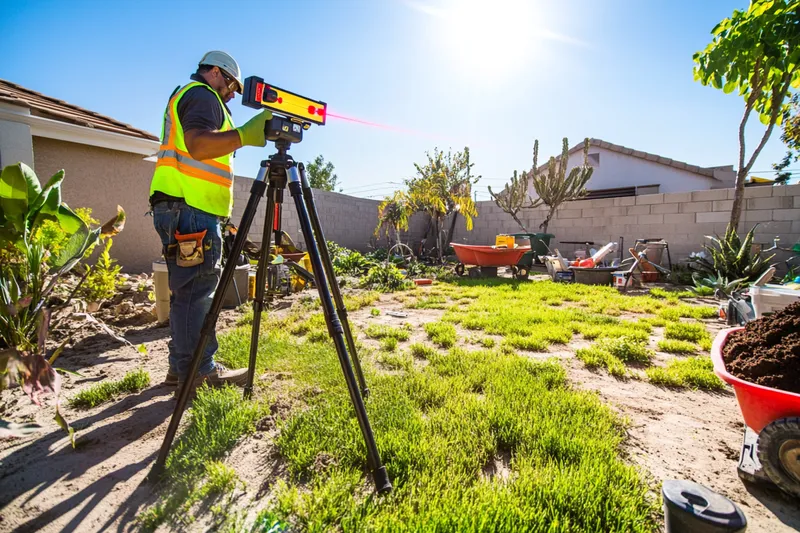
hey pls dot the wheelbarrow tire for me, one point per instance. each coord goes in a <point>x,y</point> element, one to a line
<point>460,269</point>
<point>779,453</point>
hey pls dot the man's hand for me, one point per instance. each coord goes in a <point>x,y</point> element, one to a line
<point>252,132</point>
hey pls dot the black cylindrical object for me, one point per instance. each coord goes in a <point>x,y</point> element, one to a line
<point>692,508</point>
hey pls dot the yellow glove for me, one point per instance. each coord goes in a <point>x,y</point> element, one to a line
<point>252,133</point>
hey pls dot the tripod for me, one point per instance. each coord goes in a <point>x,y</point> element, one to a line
<point>273,177</point>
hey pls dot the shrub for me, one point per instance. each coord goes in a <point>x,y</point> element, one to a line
<point>385,277</point>
<point>101,282</point>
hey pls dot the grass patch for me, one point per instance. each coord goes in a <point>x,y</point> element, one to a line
<point>396,361</point>
<point>374,311</point>
<point>685,331</point>
<point>134,381</point>
<point>389,344</point>
<point>692,372</point>
<point>676,346</point>
<point>428,302</point>
<point>422,351</point>
<point>376,331</point>
<point>441,333</point>
<point>673,295</point>
<point>354,302</point>
<point>487,342</point>
<point>613,353</point>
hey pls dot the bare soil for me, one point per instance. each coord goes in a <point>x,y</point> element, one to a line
<point>47,486</point>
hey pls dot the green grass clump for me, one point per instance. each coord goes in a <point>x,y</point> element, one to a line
<point>374,311</point>
<point>527,342</point>
<point>596,357</point>
<point>675,346</point>
<point>428,302</point>
<point>487,342</point>
<point>674,295</point>
<point>685,331</point>
<point>389,344</point>
<point>441,333</point>
<point>421,351</point>
<point>133,381</point>
<point>376,331</point>
<point>396,361</point>
<point>705,344</point>
<point>354,302</point>
<point>692,372</point>
<point>613,353</point>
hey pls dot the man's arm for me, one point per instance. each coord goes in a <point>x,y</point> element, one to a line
<point>205,144</point>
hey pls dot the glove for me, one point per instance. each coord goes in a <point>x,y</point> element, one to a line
<point>252,133</point>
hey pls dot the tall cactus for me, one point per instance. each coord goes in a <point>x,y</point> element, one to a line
<point>554,186</point>
<point>513,197</point>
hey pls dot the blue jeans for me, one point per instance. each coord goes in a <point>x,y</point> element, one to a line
<point>192,287</point>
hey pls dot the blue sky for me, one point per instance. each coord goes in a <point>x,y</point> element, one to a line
<point>449,73</point>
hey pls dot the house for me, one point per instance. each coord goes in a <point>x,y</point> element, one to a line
<point>103,159</point>
<point>620,171</point>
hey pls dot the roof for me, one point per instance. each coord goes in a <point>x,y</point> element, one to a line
<point>599,143</point>
<point>53,108</point>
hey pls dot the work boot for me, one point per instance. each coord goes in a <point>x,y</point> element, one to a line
<point>171,380</point>
<point>219,377</point>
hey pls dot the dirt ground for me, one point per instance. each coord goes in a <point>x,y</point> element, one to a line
<point>47,486</point>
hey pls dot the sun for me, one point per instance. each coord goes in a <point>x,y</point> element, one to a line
<point>488,39</point>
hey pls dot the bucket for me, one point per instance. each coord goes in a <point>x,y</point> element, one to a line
<point>654,251</point>
<point>239,288</point>
<point>619,279</point>
<point>692,508</point>
<point>161,289</point>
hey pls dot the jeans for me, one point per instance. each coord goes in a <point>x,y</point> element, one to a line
<point>192,287</point>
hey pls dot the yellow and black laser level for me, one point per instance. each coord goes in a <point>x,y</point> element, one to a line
<point>297,112</point>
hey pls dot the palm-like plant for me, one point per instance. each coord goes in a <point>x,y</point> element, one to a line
<point>394,213</point>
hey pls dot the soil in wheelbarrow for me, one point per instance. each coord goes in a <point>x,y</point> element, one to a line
<point>767,350</point>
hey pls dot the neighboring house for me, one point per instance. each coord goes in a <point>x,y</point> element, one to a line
<point>621,171</point>
<point>104,162</point>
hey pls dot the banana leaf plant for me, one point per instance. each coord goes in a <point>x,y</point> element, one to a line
<point>26,282</point>
<point>730,261</point>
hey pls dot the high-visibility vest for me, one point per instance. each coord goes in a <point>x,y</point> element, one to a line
<point>206,185</point>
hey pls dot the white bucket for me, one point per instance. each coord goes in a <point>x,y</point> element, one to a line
<point>161,289</point>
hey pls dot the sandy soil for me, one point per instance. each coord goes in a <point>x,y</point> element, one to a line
<point>47,486</point>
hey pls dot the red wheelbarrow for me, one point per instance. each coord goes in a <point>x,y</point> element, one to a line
<point>486,259</point>
<point>771,413</point>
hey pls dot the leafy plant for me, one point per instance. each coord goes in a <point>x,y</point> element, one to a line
<point>385,277</point>
<point>791,138</point>
<point>101,281</point>
<point>321,175</point>
<point>693,372</point>
<point>393,214</point>
<point>53,238</point>
<point>26,284</point>
<point>732,262</point>
<point>754,52</point>
<point>353,264</point>
<point>555,186</point>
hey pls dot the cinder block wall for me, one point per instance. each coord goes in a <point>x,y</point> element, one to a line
<point>683,219</point>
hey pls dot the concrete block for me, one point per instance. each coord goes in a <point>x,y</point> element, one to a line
<point>650,219</point>
<point>696,207</point>
<point>677,197</point>
<point>757,216</point>
<point>623,220</point>
<point>774,202</point>
<point>661,209</point>
<point>649,199</point>
<point>625,201</point>
<point>763,191</point>
<point>774,228</point>
<point>603,202</point>
<point>786,214</point>
<point>570,213</point>
<point>791,190</point>
<point>723,205</point>
<point>582,222</point>
<point>718,216</point>
<point>639,210</point>
<point>718,194</point>
<point>796,202</point>
<point>679,218</point>
<point>604,211</point>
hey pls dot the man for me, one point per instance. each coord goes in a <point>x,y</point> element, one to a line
<point>191,193</point>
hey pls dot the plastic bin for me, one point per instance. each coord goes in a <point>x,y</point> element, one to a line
<point>161,289</point>
<point>594,276</point>
<point>772,298</point>
<point>692,508</point>
<point>241,282</point>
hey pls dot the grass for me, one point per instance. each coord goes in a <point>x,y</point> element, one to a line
<point>441,333</point>
<point>389,344</point>
<point>379,332</point>
<point>375,311</point>
<point>421,351</point>
<point>692,372</point>
<point>685,331</point>
<point>133,381</point>
<point>613,353</point>
<point>676,346</point>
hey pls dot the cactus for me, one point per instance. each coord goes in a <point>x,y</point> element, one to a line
<point>513,197</point>
<point>554,186</point>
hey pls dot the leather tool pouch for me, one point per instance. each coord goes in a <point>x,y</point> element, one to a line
<point>190,249</point>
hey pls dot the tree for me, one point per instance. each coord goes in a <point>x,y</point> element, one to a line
<point>514,197</point>
<point>554,186</point>
<point>393,214</point>
<point>756,53</point>
<point>791,138</point>
<point>321,176</point>
<point>443,186</point>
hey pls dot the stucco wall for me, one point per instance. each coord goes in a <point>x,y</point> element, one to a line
<point>620,170</point>
<point>683,219</point>
<point>102,179</point>
<point>15,143</point>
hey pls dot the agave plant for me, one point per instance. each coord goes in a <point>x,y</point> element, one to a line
<point>729,261</point>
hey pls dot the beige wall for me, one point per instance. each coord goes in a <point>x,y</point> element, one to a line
<point>101,179</point>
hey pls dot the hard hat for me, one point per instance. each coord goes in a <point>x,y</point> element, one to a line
<point>216,58</point>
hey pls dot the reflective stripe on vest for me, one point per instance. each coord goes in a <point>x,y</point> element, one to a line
<point>206,185</point>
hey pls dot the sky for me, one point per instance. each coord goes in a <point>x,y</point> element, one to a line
<point>490,75</point>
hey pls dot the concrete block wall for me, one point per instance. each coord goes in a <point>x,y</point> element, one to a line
<point>683,219</point>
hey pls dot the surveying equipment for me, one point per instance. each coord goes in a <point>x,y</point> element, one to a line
<point>273,176</point>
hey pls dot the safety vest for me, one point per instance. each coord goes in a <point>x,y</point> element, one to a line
<point>206,185</point>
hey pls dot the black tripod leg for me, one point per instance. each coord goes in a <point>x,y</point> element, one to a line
<point>322,245</point>
<point>210,322</point>
<point>261,283</point>
<point>379,474</point>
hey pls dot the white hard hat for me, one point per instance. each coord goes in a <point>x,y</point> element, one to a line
<point>215,58</point>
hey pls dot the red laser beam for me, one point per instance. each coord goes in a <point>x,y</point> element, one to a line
<point>389,127</point>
